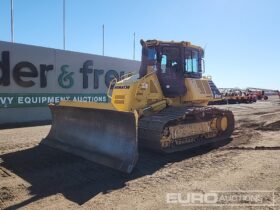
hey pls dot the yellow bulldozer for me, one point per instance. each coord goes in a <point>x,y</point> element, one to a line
<point>163,108</point>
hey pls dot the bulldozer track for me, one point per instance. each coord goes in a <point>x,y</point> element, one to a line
<point>151,128</point>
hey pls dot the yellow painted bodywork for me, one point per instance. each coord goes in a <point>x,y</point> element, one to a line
<point>198,92</point>
<point>142,94</point>
<point>135,94</point>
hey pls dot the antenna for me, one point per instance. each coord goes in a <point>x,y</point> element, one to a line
<point>12,20</point>
<point>64,36</point>
<point>134,46</point>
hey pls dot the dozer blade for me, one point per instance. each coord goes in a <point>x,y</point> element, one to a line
<point>106,137</point>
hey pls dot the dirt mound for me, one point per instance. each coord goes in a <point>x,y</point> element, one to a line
<point>260,113</point>
<point>275,126</point>
<point>243,137</point>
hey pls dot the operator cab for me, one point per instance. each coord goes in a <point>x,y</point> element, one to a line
<point>173,62</point>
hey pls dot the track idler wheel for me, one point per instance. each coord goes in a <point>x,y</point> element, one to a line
<point>222,123</point>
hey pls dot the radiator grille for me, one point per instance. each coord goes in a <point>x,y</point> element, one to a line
<point>203,86</point>
<point>119,99</point>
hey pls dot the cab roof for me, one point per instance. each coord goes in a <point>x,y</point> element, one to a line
<point>154,42</point>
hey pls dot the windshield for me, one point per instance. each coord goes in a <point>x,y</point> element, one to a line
<point>192,59</point>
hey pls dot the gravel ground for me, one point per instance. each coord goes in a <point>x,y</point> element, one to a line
<point>37,177</point>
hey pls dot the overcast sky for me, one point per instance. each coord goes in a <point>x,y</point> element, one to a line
<point>241,37</point>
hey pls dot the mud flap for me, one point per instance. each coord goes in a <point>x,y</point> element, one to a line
<point>106,137</point>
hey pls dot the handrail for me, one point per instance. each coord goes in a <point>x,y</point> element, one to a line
<point>126,75</point>
<point>110,85</point>
<point>115,80</point>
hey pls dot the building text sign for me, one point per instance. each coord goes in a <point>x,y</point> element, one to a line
<point>37,99</point>
<point>36,76</point>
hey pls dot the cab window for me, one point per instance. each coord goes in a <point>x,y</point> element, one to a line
<point>163,63</point>
<point>152,54</point>
<point>191,61</point>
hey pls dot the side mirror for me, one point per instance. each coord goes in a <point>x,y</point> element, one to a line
<point>202,64</point>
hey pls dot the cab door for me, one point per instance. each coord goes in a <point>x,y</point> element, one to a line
<point>170,72</point>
